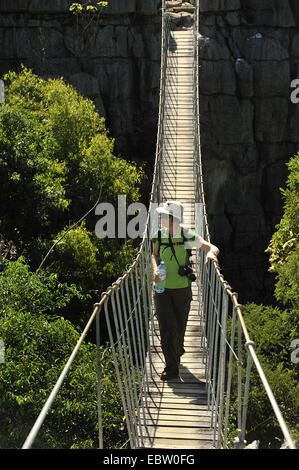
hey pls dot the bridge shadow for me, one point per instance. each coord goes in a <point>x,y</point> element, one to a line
<point>172,45</point>
<point>188,385</point>
<point>156,410</point>
<point>188,377</point>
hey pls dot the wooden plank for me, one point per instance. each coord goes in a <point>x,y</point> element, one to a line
<point>179,387</point>
<point>192,431</point>
<point>184,392</point>
<point>187,433</point>
<point>185,422</point>
<point>173,400</point>
<point>190,342</point>
<point>200,415</point>
<point>197,416</point>
<point>194,375</point>
<point>177,444</point>
<point>177,432</point>
<point>166,404</point>
<point>180,424</point>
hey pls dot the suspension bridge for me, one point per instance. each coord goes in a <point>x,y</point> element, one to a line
<point>194,410</point>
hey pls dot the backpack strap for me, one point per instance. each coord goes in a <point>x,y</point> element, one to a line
<point>170,244</point>
<point>159,240</point>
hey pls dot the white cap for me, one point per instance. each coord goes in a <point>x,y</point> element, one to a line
<point>174,208</point>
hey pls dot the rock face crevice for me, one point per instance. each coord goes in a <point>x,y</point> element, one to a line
<point>249,55</point>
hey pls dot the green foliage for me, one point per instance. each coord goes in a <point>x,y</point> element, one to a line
<point>283,247</point>
<point>287,283</point>
<point>32,177</point>
<point>272,330</point>
<point>36,351</point>
<point>55,159</point>
<point>287,231</point>
<point>89,262</point>
<point>99,164</point>
<point>88,15</point>
<point>79,8</point>
<point>262,423</point>
<point>21,290</point>
<point>76,258</point>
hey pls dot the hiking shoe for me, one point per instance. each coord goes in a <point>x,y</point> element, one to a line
<point>169,375</point>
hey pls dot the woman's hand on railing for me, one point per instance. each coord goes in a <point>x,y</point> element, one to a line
<point>211,256</point>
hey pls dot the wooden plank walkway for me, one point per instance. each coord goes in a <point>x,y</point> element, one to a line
<point>176,412</point>
<point>177,181</point>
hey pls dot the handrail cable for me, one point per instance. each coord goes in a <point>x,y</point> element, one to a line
<point>128,305</point>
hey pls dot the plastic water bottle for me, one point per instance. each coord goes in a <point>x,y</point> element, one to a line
<point>160,286</point>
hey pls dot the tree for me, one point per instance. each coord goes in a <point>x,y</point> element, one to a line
<point>36,350</point>
<point>56,157</point>
<point>274,328</point>
<point>284,244</point>
<point>22,290</point>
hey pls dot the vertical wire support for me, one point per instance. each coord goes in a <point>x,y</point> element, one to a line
<point>229,374</point>
<point>139,346</point>
<point>216,348</point>
<point>128,322</point>
<point>246,393</point>
<point>204,310</point>
<point>99,381</point>
<point>133,332</point>
<point>143,272</point>
<point>239,376</point>
<point>222,361</point>
<point>146,321</point>
<point>145,382</point>
<point>210,351</point>
<point>139,340</point>
<point>124,365</point>
<point>150,296</point>
<point>135,349</point>
<point>118,376</point>
<point>140,316</point>
<point>213,351</point>
<point>126,361</point>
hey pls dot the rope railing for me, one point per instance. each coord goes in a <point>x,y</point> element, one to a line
<point>127,308</point>
<point>228,347</point>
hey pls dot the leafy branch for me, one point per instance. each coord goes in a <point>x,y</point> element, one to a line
<point>87,13</point>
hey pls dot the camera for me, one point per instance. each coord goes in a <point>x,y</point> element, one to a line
<point>188,272</point>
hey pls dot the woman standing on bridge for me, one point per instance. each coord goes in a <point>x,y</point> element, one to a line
<point>171,244</point>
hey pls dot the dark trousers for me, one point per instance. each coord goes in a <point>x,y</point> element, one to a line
<point>172,309</point>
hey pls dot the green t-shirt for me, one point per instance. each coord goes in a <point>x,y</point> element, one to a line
<point>173,278</point>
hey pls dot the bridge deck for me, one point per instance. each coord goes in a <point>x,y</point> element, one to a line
<point>176,412</point>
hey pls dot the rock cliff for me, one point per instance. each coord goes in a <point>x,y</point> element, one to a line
<point>249,54</point>
<point>249,127</point>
